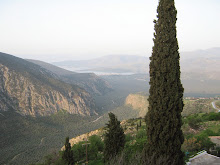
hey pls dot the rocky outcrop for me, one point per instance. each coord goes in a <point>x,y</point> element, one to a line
<point>129,127</point>
<point>85,137</point>
<point>138,102</point>
<point>39,94</point>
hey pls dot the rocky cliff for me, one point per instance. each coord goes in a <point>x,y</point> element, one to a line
<point>30,90</point>
<point>138,102</point>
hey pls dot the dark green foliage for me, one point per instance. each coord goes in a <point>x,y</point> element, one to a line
<point>114,140</point>
<point>166,92</point>
<point>195,119</point>
<point>194,122</point>
<point>218,151</point>
<point>210,132</point>
<point>96,162</point>
<point>68,153</point>
<point>22,135</point>
<point>211,116</point>
<point>206,143</point>
<point>34,137</point>
<point>54,159</point>
<point>79,151</point>
<point>96,146</point>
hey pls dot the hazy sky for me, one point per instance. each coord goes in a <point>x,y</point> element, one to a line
<point>54,30</point>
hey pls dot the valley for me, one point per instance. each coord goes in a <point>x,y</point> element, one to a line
<point>37,137</point>
<point>109,82</point>
<point>27,138</point>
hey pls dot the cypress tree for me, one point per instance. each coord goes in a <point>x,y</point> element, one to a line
<point>68,153</point>
<point>164,134</point>
<point>114,139</point>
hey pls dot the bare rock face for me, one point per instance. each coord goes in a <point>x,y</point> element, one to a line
<point>84,137</point>
<point>138,102</point>
<point>39,95</point>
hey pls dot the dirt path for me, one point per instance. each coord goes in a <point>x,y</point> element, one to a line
<point>2,114</point>
<point>16,156</point>
<point>96,119</point>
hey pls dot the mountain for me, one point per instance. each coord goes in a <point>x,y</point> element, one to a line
<point>200,70</point>
<point>111,63</point>
<point>30,89</point>
<point>204,64</point>
<point>89,81</point>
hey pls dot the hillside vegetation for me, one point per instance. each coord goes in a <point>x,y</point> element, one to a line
<point>197,138</point>
<point>33,138</point>
<point>25,140</point>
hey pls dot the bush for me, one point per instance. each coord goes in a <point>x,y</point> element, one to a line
<point>212,116</point>
<point>210,132</point>
<point>96,146</point>
<point>128,138</point>
<point>141,134</point>
<point>205,141</point>
<point>79,151</point>
<point>194,122</point>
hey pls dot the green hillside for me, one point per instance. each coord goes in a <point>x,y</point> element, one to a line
<point>28,139</point>
<point>197,128</point>
<point>25,140</point>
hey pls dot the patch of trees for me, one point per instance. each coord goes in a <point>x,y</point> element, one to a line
<point>134,143</point>
<point>194,121</point>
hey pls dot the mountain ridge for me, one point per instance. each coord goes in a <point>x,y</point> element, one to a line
<point>31,90</point>
<point>205,62</point>
<point>89,81</point>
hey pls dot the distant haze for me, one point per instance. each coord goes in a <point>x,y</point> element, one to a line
<point>203,62</point>
<point>55,30</point>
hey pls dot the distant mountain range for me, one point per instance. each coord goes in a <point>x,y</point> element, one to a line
<point>200,69</point>
<point>111,63</point>
<point>201,63</point>
<point>29,89</point>
<point>206,63</point>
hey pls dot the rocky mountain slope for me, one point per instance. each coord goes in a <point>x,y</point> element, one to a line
<point>138,102</point>
<point>32,90</point>
<point>89,81</point>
